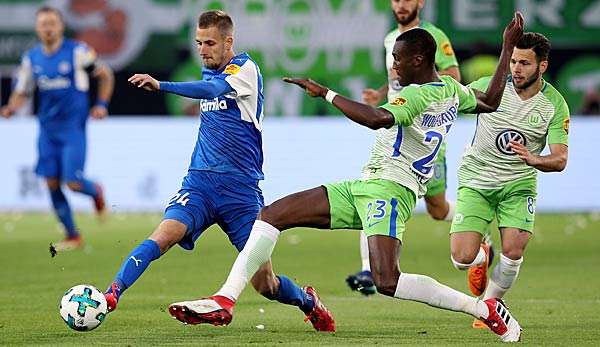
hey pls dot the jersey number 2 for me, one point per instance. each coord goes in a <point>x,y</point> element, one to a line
<point>423,165</point>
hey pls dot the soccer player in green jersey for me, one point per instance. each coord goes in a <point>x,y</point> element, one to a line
<point>410,132</point>
<point>498,173</point>
<point>407,13</point>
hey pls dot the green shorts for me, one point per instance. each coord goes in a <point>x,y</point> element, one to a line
<point>437,183</point>
<point>513,206</point>
<point>377,206</point>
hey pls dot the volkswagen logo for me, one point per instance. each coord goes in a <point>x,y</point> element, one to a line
<point>503,140</point>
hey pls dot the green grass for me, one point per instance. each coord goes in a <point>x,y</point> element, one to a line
<point>556,298</point>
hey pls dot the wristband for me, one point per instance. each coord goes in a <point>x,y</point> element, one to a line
<point>330,95</point>
<point>102,103</point>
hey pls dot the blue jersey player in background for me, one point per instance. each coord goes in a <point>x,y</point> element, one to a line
<point>221,185</point>
<point>58,69</point>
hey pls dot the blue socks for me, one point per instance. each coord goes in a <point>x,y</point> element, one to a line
<point>136,263</point>
<point>63,212</point>
<point>88,188</point>
<point>290,294</point>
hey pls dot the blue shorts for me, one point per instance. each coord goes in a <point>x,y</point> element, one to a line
<point>62,158</point>
<point>206,198</point>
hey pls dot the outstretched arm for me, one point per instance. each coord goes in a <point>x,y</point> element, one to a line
<point>363,114</point>
<point>194,89</point>
<point>490,100</point>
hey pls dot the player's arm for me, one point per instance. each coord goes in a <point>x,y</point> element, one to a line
<point>556,161</point>
<point>363,114</point>
<point>374,97</point>
<point>452,71</point>
<point>489,100</point>
<point>194,89</point>
<point>106,85</point>
<point>22,91</point>
<point>557,138</point>
<point>16,101</point>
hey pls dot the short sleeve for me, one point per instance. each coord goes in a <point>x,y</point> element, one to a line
<point>407,105</point>
<point>24,76</point>
<point>444,54</point>
<point>467,101</point>
<point>85,56</point>
<point>481,84</point>
<point>558,131</point>
<point>242,78</point>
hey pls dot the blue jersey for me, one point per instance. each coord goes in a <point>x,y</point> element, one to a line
<point>229,138</point>
<point>62,84</point>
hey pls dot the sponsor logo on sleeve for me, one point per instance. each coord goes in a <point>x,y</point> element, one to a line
<point>398,102</point>
<point>566,125</point>
<point>231,69</point>
<point>447,49</point>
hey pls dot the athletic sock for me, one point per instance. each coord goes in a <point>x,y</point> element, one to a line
<point>503,277</point>
<point>451,211</point>
<point>364,252</point>
<point>289,293</point>
<point>136,263</point>
<point>256,252</point>
<point>429,291</point>
<point>63,212</point>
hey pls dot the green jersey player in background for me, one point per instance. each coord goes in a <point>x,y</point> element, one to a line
<point>406,13</point>
<point>411,130</point>
<point>498,174</point>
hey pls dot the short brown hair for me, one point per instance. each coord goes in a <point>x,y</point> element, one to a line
<point>49,9</point>
<point>537,42</point>
<point>216,18</point>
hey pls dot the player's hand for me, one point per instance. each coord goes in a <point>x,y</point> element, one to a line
<point>312,88</point>
<point>523,153</point>
<point>372,97</point>
<point>144,81</point>
<point>98,112</point>
<point>6,111</point>
<point>514,30</point>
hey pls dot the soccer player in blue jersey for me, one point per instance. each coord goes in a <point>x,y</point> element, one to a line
<point>58,69</point>
<point>222,181</point>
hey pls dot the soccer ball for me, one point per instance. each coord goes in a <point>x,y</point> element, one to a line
<point>83,307</point>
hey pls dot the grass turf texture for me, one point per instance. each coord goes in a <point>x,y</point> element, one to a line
<point>556,297</point>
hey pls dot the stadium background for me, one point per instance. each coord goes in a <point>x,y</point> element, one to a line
<point>307,141</point>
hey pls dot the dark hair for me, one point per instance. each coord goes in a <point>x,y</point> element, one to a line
<point>48,9</point>
<point>537,42</point>
<point>419,41</point>
<point>217,18</point>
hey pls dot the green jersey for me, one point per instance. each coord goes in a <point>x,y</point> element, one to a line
<point>444,54</point>
<point>489,163</point>
<point>423,117</point>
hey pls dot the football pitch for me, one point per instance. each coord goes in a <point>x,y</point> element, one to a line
<point>556,298</point>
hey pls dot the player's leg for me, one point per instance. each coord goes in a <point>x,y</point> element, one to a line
<point>48,166</point>
<point>309,208</point>
<point>384,246</point>
<point>435,199</point>
<point>474,212</point>
<point>238,206</point>
<point>362,281</point>
<point>516,214</point>
<point>186,216</point>
<point>72,166</point>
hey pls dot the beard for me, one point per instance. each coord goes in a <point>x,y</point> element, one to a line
<point>409,18</point>
<point>531,80</point>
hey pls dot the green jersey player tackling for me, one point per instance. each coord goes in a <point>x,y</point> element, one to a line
<point>411,130</point>
<point>406,13</point>
<point>498,173</point>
